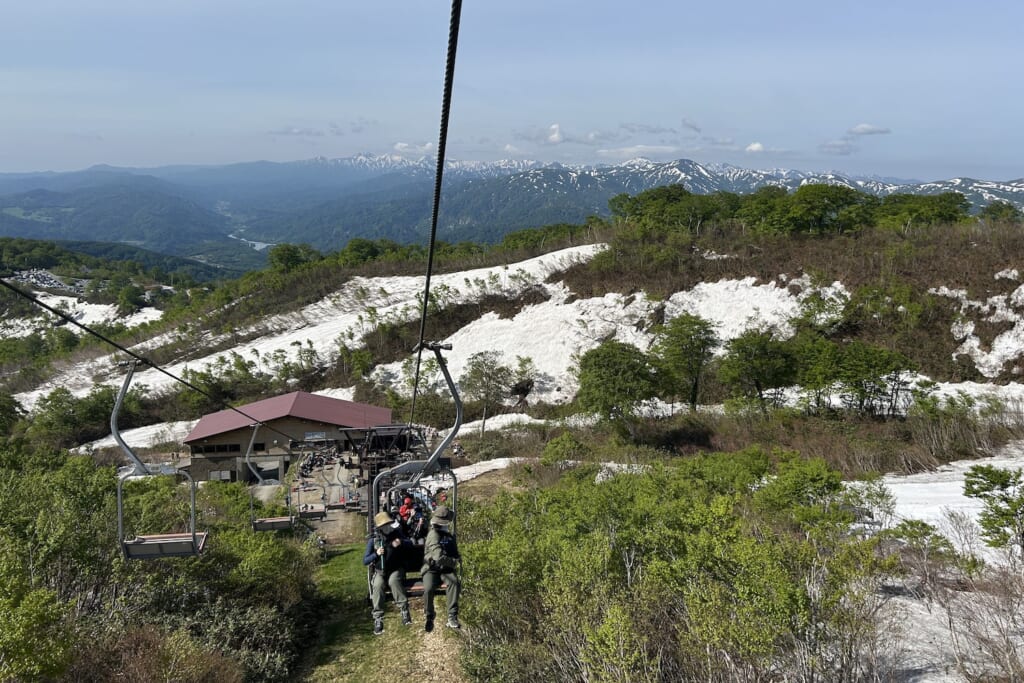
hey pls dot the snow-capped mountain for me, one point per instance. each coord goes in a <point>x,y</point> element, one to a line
<point>326,202</point>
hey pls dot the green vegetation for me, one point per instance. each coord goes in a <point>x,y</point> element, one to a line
<point>731,552</point>
<point>722,567</point>
<point>71,608</point>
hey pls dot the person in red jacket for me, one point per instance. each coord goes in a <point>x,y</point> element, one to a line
<point>405,512</point>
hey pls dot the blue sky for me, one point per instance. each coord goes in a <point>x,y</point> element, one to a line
<point>914,89</point>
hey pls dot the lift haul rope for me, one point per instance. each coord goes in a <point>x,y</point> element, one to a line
<point>442,143</point>
<point>141,359</point>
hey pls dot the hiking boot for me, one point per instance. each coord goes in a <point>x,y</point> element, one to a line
<point>429,626</point>
<point>406,617</point>
<point>378,627</point>
<point>453,622</point>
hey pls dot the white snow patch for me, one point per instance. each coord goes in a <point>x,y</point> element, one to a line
<point>735,306</point>
<point>344,393</point>
<point>81,312</point>
<point>145,437</point>
<point>1007,347</point>
<point>357,307</point>
<point>496,423</point>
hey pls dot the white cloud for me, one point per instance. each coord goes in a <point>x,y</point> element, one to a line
<point>596,137</point>
<point>295,131</point>
<point>755,148</point>
<point>555,135</point>
<point>406,148</point>
<point>868,129</point>
<point>843,147</point>
<point>511,149</point>
<point>635,128</point>
<point>634,151</point>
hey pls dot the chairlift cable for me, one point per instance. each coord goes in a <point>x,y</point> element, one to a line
<point>442,143</point>
<point>141,359</point>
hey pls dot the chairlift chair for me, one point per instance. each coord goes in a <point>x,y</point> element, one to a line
<point>152,546</point>
<point>309,510</point>
<point>263,523</point>
<point>312,510</point>
<point>410,475</point>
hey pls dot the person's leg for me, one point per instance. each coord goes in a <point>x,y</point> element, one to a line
<point>397,583</point>
<point>377,600</point>
<point>431,582</point>
<point>452,598</point>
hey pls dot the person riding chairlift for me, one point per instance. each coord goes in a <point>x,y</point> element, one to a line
<point>406,511</point>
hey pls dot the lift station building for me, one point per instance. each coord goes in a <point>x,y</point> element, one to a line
<point>290,424</point>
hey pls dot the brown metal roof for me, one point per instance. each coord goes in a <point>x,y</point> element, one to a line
<point>300,404</point>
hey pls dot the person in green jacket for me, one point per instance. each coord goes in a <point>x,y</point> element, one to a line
<point>440,560</point>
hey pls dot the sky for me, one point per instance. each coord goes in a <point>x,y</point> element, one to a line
<point>914,90</point>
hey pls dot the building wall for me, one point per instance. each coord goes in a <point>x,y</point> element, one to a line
<point>222,453</point>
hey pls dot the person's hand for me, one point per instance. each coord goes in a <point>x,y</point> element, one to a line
<point>380,551</point>
<point>396,542</point>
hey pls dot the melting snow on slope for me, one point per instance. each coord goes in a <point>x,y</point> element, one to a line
<point>1007,346</point>
<point>146,437</point>
<point>79,311</point>
<point>345,314</point>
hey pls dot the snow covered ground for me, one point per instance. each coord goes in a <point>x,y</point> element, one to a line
<point>347,314</point>
<point>146,437</point>
<point>79,311</point>
<point>551,333</point>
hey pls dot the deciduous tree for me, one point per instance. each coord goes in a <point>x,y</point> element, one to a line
<point>487,380</point>
<point>614,378</point>
<point>684,347</point>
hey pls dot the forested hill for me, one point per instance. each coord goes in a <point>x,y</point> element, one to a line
<point>129,214</point>
<point>190,210</point>
<point>701,392</point>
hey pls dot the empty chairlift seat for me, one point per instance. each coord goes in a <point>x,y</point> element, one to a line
<point>164,545</point>
<point>152,546</point>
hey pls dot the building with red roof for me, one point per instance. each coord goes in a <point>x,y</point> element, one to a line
<point>286,425</point>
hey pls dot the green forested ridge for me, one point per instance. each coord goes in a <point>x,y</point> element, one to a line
<point>113,213</point>
<point>72,259</point>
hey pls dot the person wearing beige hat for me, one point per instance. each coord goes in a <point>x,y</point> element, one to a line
<point>440,562</point>
<point>386,552</point>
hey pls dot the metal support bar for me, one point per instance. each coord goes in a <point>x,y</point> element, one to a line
<point>437,347</point>
<point>139,468</point>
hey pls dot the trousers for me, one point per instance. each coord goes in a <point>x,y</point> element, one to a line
<point>396,581</point>
<point>432,583</point>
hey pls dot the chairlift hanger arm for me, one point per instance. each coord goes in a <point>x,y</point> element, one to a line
<point>248,455</point>
<point>159,545</point>
<point>140,467</point>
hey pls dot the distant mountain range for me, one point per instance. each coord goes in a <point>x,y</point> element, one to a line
<point>201,212</point>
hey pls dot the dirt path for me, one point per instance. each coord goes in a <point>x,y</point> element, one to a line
<point>438,655</point>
